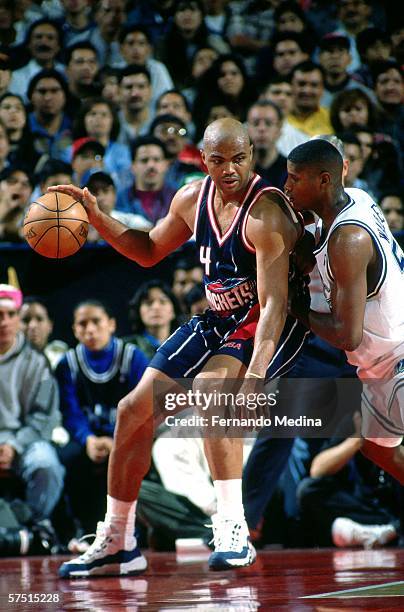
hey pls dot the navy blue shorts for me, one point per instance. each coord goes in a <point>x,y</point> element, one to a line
<point>187,350</point>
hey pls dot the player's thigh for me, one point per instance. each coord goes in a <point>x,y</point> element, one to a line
<point>221,367</point>
<point>221,374</point>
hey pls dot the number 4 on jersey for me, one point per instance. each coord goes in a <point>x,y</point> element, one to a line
<point>204,257</point>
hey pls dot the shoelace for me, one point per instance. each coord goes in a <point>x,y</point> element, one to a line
<point>225,539</point>
<point>99,543</point>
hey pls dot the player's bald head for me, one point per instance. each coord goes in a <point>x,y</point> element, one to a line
<point>225,131</point>
<point>319,156</point>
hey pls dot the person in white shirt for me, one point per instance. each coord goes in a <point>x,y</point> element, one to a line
<point>362,270</point>
<point>44,42</point>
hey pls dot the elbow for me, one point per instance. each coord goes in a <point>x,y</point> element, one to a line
<point>316,471</point>
<point>350,340</point>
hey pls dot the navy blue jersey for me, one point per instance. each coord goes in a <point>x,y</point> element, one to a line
<point>228,327</point>
<point>229,260</point>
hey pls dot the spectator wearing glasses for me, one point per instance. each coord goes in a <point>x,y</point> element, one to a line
<point>175,102</point>
<point>172,132</point>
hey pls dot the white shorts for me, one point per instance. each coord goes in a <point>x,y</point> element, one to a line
<point>383,400</point>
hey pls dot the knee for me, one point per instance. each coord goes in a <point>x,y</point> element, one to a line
<point>205,378</point>
<point>132,416</point>
<point>42,457</point>
<point>127,410</point>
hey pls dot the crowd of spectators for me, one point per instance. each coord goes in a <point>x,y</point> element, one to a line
<point>115,95</point>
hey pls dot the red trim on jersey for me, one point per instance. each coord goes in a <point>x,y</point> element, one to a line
<point>198,203</point>
<point>248,328</point>
<point>212,217</point>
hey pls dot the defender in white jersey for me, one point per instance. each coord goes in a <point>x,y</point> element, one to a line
<point>362,272</point>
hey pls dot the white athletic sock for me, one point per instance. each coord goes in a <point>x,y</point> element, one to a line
<point>121,515</point>
<point>229,498</point>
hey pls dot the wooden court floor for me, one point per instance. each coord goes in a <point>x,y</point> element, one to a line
<point>292,580</point>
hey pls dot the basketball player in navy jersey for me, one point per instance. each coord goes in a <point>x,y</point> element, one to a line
<point>362,271</point>
<point>244,232</point>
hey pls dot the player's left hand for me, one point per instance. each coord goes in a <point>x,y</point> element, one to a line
<point>253,404</point>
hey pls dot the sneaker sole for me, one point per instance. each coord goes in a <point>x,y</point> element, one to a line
<point>138,566</point>
<point>225,565</point>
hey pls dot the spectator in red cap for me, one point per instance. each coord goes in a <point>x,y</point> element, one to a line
<point>87,153</point>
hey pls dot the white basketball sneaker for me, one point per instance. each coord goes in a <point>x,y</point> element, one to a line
<point>106,557</point>
<point>232,544</point>
<point>346,532</point>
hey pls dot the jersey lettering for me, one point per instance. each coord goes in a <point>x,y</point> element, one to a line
<point>398,255</point>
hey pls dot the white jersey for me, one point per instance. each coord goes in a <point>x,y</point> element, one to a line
<point>383,329</point>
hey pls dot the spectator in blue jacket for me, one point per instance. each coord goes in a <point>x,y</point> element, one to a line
<point>92,378</point>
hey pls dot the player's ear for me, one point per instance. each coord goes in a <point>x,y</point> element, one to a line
<point>202,152</point>
<point>112,325</point>
<point>251,151</point>
<point>325,178</point>
<point>75,334</point>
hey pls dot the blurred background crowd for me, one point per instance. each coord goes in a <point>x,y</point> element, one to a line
<point>115,95</point>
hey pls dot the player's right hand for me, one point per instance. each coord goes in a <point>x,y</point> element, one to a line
<point>84,196</point>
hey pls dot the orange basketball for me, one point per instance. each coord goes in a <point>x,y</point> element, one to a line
<point>56,225</point>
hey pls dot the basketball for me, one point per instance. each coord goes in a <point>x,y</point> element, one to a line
<point>56,225</point>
